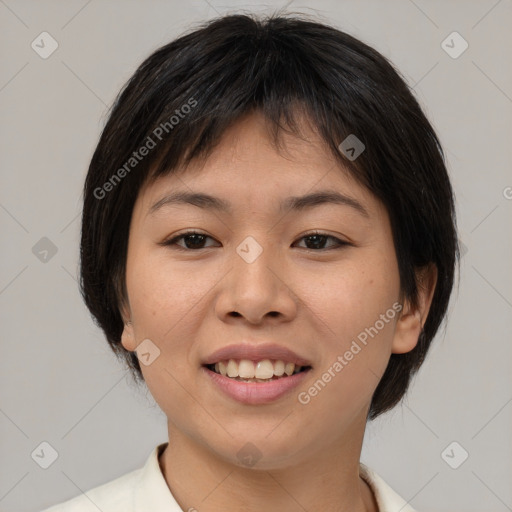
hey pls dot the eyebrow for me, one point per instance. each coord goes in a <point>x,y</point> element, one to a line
<point>294,203</point>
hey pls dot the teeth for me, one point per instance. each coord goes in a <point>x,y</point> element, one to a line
<point>246,370</point>
<point>260,371</point>
<point>232,368</point>
<point>279,368</point>
<point>264,369</point>
<point>288,369</point>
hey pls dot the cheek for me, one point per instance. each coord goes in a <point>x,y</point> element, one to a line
<point>353,297</point>
<point>165,299</point>
<point>163,294</point>
<point>355,312</point>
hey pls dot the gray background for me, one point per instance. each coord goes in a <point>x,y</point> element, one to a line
<point>59,381</point>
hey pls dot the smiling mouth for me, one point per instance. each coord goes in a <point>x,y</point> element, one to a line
<point>259,371</point>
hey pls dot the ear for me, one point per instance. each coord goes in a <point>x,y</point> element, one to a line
<point>127,336</point>
<point>412,319</point>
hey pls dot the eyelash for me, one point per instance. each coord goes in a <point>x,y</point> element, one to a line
<point>173,241</point>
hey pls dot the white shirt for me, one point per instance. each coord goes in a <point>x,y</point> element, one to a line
<point>145,489</point>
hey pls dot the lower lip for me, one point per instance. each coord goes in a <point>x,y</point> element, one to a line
<point>256,393</point>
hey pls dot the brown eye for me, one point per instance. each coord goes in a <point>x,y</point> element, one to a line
<point>316,241</point>
<point>192,241</point>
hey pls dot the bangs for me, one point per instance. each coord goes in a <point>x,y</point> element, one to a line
<point>188,100</point>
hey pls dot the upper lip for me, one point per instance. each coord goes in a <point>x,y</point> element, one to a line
<point>256,353</point>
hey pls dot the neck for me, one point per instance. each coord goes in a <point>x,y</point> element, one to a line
<point>328,480</point>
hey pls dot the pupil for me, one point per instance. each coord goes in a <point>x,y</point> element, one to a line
<point>317,239</point>
<point>196,236</point>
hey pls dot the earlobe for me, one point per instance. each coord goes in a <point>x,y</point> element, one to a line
<point>413,318</point>
<point>128,337</point>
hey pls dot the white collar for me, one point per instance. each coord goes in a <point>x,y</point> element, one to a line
<point>146,489</point>
<point>154,487</point>
<point>387,499</point>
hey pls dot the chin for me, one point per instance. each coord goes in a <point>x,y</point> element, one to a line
<point>259,452</point>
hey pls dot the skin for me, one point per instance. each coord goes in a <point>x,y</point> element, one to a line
<point>310,298</point>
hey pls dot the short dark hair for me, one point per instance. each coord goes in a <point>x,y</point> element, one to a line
<point>185,95</point>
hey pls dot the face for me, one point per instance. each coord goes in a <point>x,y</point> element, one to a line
<point>320,280</point>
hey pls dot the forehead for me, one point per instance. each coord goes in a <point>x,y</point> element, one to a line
<point>246,170</point>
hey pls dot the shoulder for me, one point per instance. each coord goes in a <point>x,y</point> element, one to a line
<point>142,489</point>
<point>387,499</point>
<point>113,496</point>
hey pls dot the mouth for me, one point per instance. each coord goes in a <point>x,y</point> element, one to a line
<point>263,371</point>
<point>255,382</point>
<point>255,374</point>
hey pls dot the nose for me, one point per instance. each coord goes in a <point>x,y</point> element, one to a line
<point>257,289</point>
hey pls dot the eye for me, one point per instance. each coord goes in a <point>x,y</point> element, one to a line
<point>317,239</point>
<point>190,238</point>
<point>194,240</point>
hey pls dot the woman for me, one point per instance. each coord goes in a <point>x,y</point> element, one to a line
<point>269,243</point>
